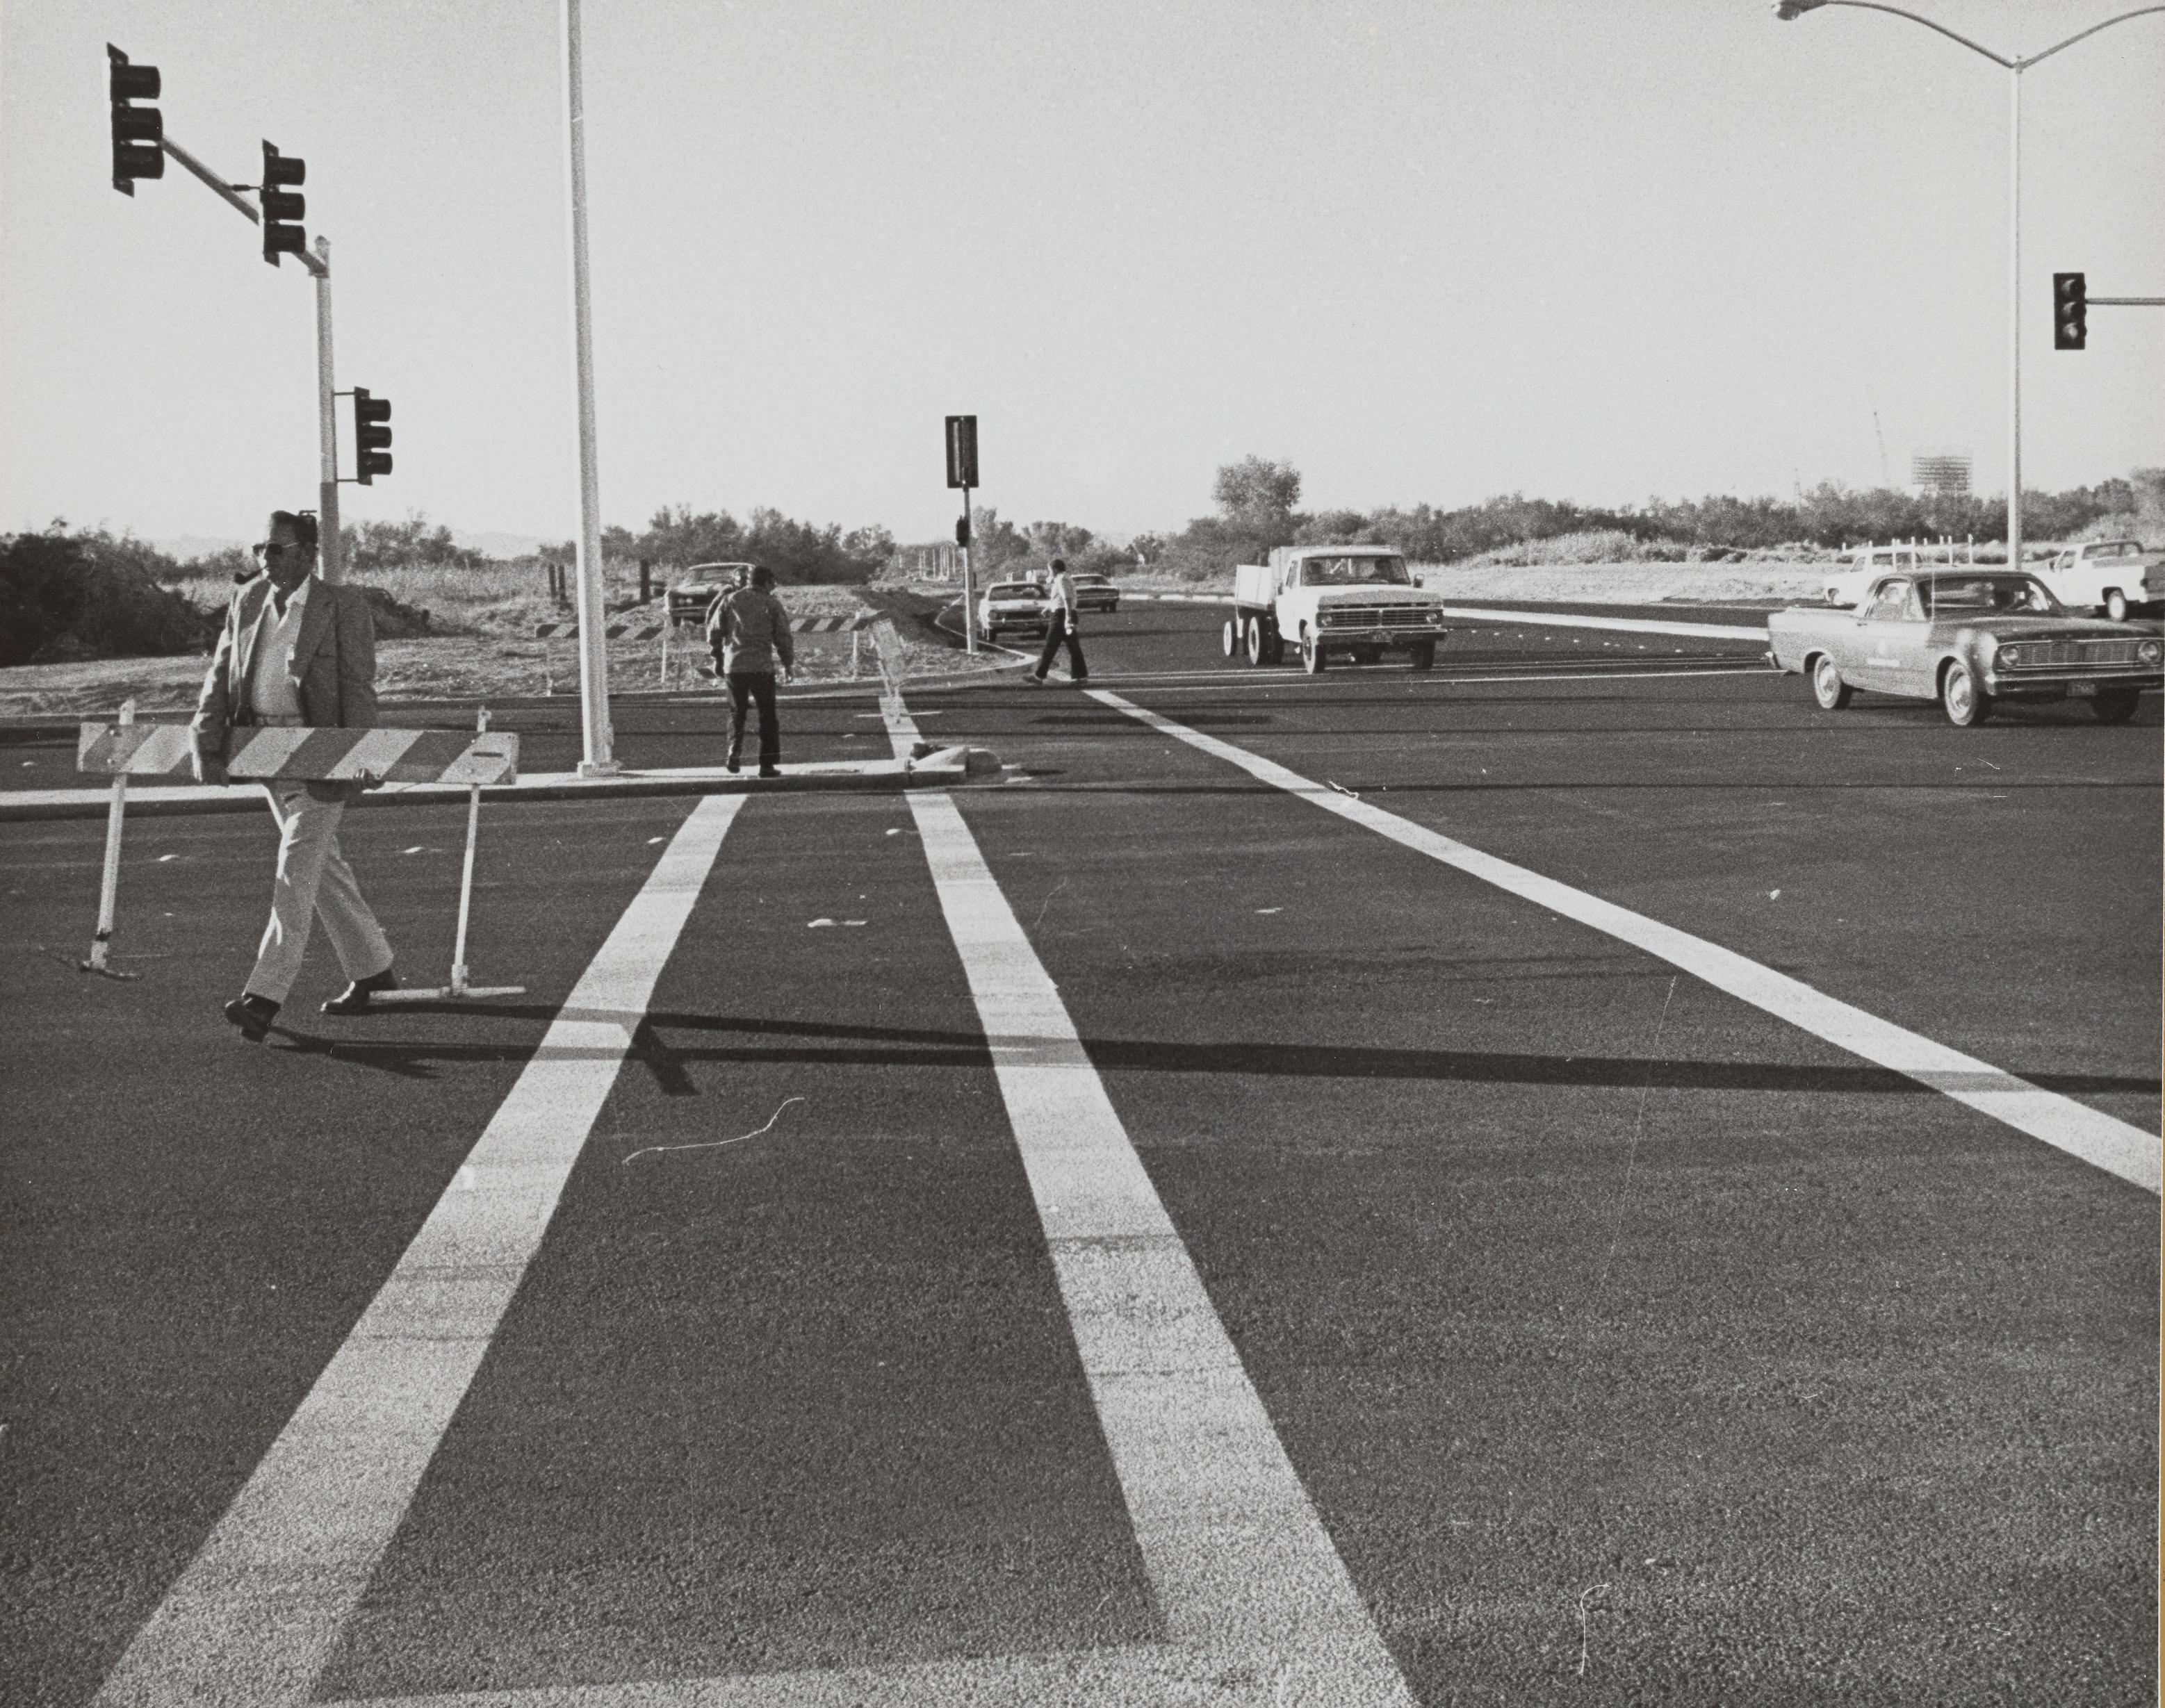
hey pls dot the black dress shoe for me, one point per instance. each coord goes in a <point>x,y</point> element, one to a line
<point>770,771</point>
<point>354,999</point>
<point>253,1015</point>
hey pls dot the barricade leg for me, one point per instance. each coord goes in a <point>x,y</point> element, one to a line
<point>108,883</point>
<point>458,989</point>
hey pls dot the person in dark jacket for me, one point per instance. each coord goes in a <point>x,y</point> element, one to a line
<point>749,632</point>
<point>295,651</point>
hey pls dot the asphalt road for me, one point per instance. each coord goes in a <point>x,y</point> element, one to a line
<point>1616,1338</point>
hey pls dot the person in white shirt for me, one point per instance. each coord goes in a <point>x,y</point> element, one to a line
<point>1060,630</point>
<point>300,652</point>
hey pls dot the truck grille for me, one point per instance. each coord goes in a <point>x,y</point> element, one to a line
<point>1373,617</point>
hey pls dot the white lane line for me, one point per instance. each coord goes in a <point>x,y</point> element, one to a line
<point>1629,625</point>
<point>254,1617</point>
<point>1243,1570</point>
<point>1244,1573</point>
<point>1207,680</point>
<point>2117,1147</point>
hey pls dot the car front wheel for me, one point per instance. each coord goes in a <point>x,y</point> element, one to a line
<point>2115,705</point>
<point>1966,702</point>
<point>1828,687</point>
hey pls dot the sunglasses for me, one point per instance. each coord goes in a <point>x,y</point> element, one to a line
<point>265,547</point>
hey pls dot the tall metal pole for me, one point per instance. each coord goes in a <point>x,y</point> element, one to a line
<point>969,603</point>
<point>593,645</point>
<point>327,494</point>
<point>2014,316</point>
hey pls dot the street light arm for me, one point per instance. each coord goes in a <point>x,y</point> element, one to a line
<point>1788,12</point>
<point>2092,30</point>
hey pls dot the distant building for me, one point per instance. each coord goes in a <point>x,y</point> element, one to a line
<point>1941,474</point>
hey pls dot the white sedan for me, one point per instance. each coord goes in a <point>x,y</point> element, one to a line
<point>1019,605</point>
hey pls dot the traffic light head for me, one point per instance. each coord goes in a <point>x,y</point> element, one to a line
<point>282,210</point>
<point>2071,312</point>
<point>372,440</point>
<point>962,530</point>
<point>137,131</point>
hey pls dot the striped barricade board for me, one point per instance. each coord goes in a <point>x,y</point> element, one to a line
<point>614,631</point>
<point>311,756</point>
<point>647,631</point>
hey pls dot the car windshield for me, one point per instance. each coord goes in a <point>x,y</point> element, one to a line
<point>1088,580</point>
<point>1354,571</point>
<point>1953,596</point>
<point>1012,589</point>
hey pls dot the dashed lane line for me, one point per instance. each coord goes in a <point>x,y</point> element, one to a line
<point>251,1621</point>
<point>2114,1146</point>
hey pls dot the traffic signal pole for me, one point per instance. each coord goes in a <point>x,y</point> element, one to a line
<point>332,545</point>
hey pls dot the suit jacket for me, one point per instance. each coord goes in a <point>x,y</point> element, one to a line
<point>334,672</point>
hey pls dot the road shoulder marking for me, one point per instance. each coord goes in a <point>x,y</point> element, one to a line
<point>258,1610</point>
<point>2118,1148</point>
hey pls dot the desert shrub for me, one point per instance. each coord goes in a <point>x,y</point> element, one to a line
<point>89,595</point>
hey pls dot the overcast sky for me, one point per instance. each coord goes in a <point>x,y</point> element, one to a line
<point>1433,251</point>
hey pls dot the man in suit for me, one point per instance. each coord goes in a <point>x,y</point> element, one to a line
<point>298,652</point>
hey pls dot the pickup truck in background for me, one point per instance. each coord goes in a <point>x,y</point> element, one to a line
<point>2116,576</point>
<point>1348,601</point>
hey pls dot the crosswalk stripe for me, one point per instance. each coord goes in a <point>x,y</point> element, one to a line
<point>1244,1573</point>
<point>250,1622</point>
<point>2114,1146</point>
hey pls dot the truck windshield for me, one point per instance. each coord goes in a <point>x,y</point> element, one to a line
<point>1351,571</point>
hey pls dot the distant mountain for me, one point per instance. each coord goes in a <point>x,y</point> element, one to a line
<point>189,547</point>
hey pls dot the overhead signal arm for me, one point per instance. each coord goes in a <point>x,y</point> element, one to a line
<point>230,194</point>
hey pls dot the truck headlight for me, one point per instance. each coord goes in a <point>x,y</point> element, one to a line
<point>2150,652</point>
<point>2010,655</point>
<point>1433,619</point>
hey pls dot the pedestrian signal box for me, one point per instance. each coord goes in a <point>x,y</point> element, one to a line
<point>962,451</point>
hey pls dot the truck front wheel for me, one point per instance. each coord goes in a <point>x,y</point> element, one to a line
<point>2116,605</point>
<point>1422,653</point>
<point>1311,655</point>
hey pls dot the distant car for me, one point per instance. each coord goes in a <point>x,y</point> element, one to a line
<point>690,598</point>
<point>1968,639</point>
<point>1017,606</point>
<point>1866,564</point>
<point>2112,575</point>
<point>1095,592</point>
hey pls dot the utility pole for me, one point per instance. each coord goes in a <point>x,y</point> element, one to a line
<point>593,642</point>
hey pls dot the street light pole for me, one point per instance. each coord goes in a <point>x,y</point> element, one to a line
<point>593,642</point>
<point>1789,10</point>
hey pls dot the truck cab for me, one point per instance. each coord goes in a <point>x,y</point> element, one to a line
<point>1347,601</point>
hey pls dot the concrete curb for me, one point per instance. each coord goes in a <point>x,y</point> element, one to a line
<point>947,768</point>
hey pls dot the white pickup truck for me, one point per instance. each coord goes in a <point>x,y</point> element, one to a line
<point>1354,601</point>
<point>2111,575</point>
